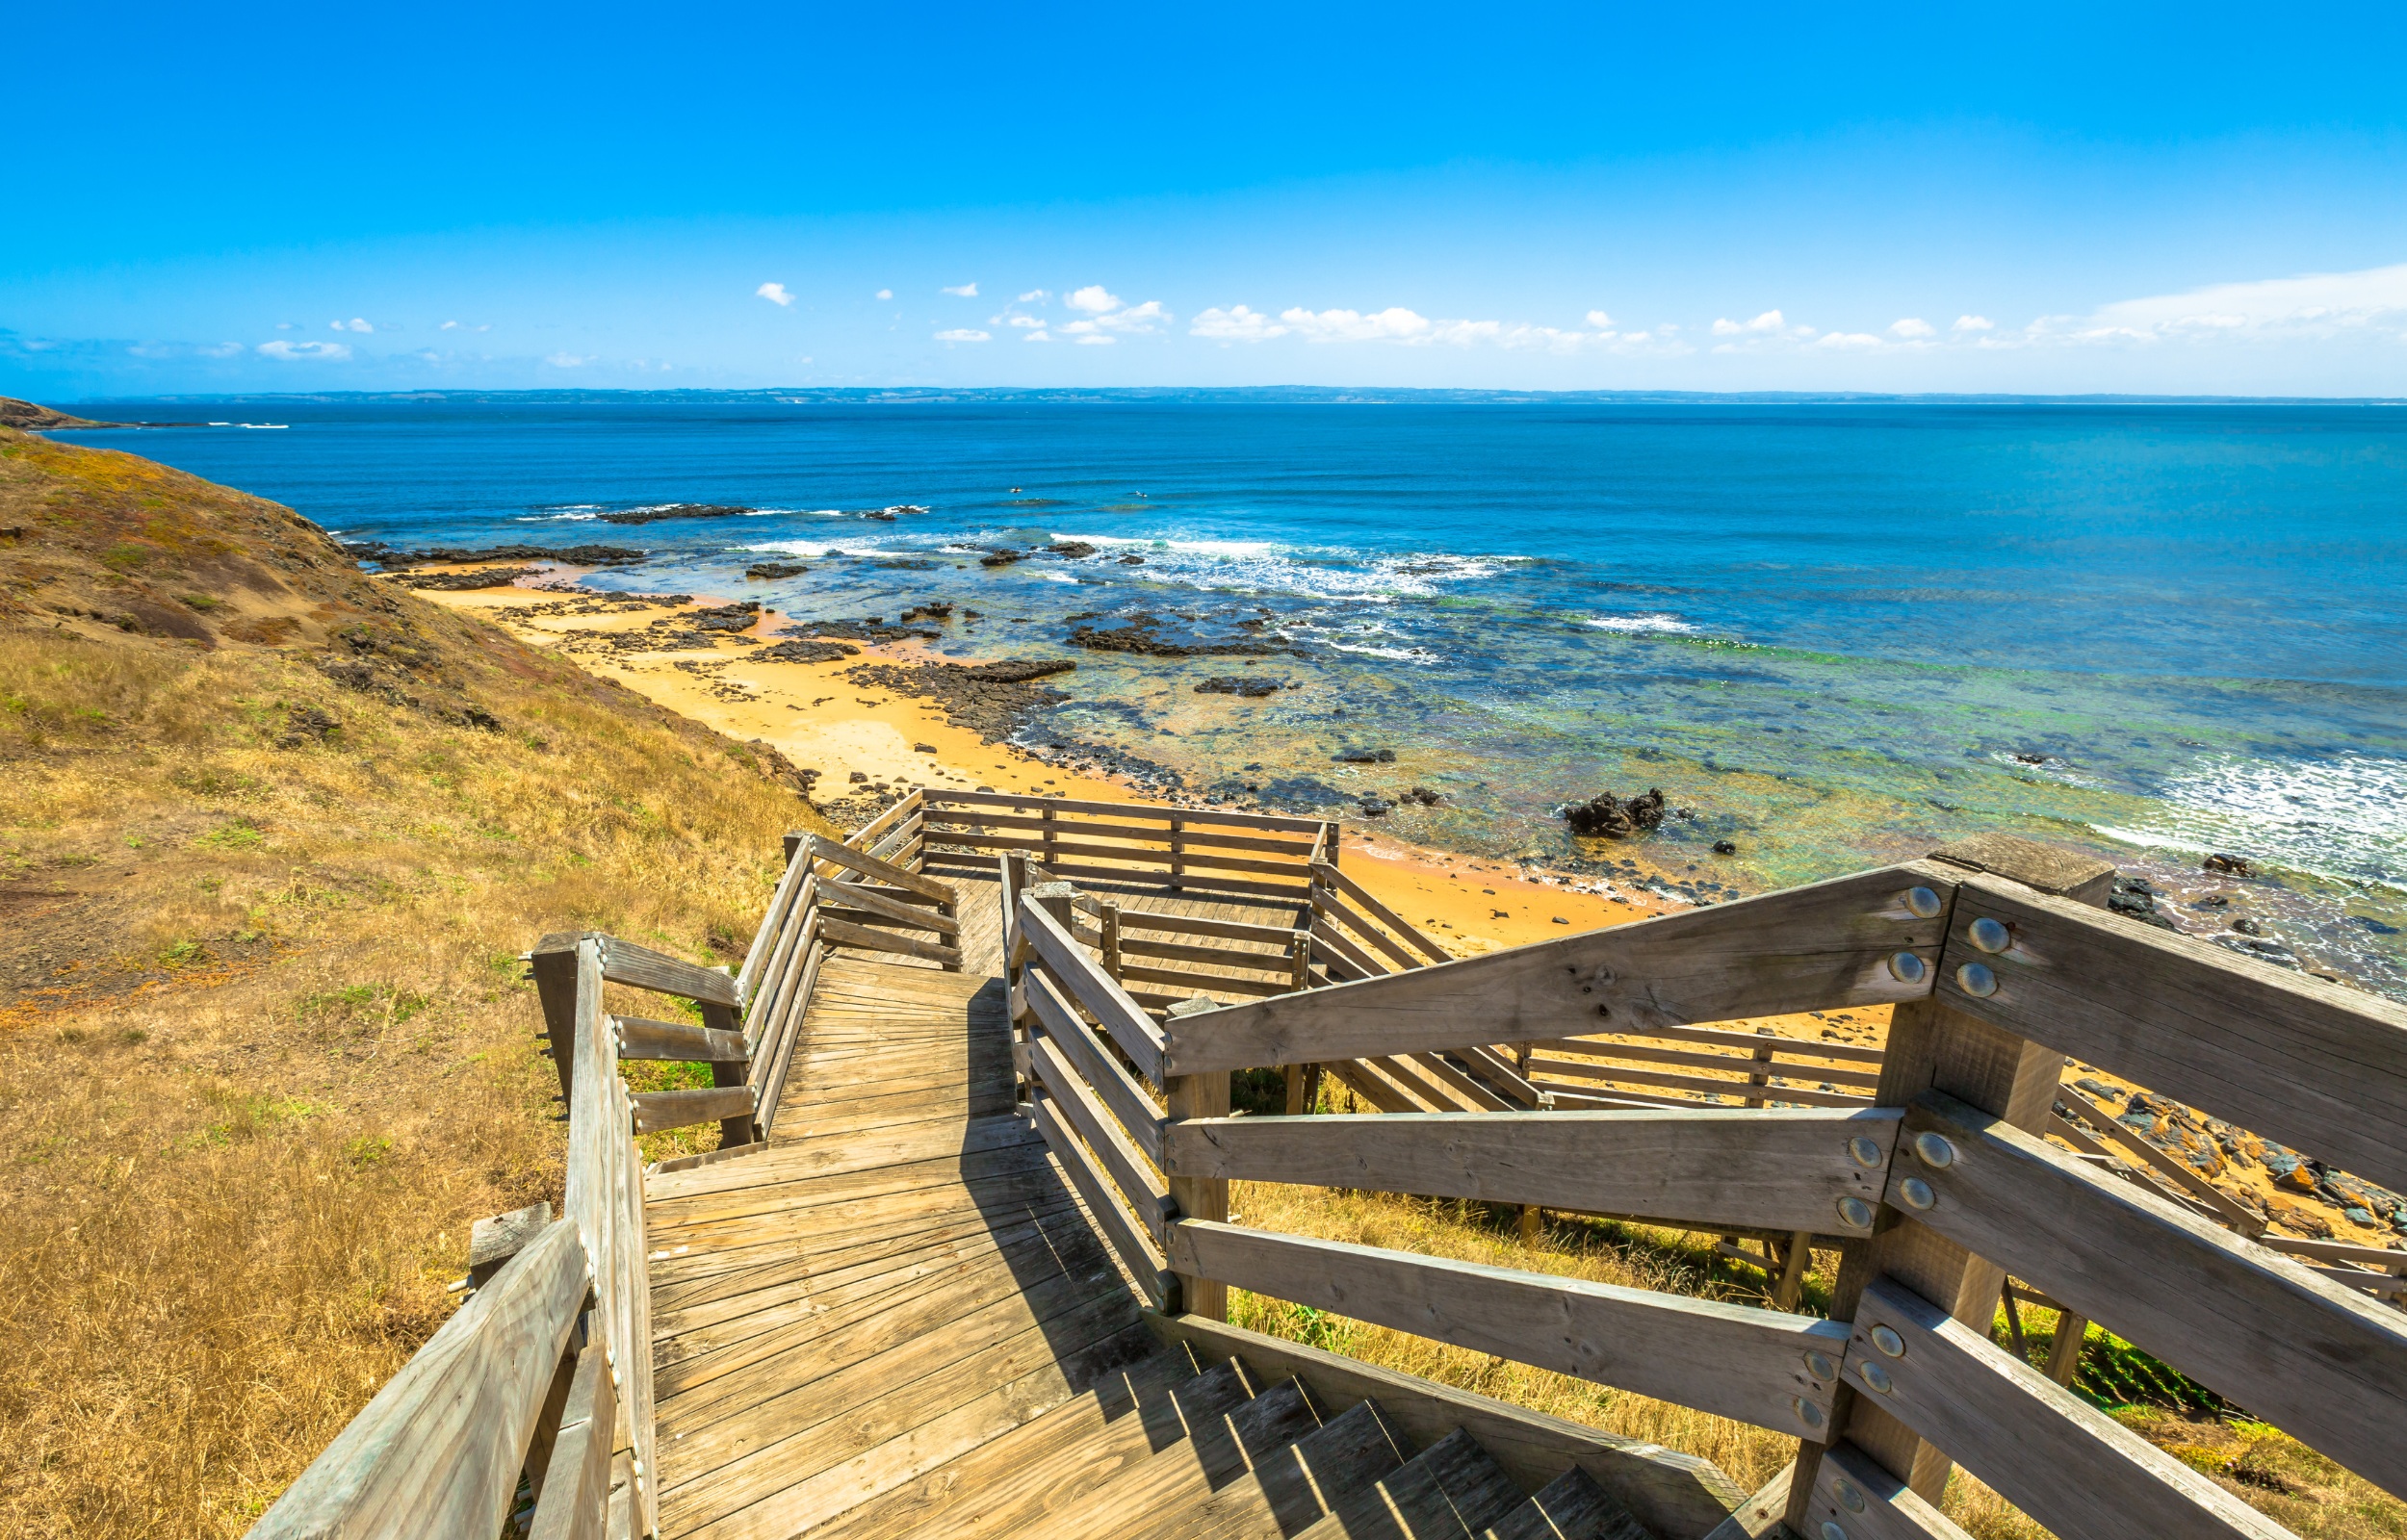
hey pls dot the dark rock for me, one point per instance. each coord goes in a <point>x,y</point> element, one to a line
<point>1424,797</point>
<point>2230,865</point>
<point>1723,847</point>
<point>585,555</point>
<point>1376,806</point>
<point>736,617</point>
<point>1231,684</point>
<point>2134,898</point>
<point>677,510</point>
<point>305,724</point>
<point>1611,817</point>
<point>798,650</point>
<point>1366,757</point>
<point>934,609</point>
<point>859,631</point>
<point>775,569</point>
<point>1074,549</point>
<point>482,577</point>
<point>2030,759</point>
<point>1019,671</point>
<point>1132,561</point>
<point>2247,927</point>
<point>1001,556</point>
<point>923,748</point>
<point>1137,635</point>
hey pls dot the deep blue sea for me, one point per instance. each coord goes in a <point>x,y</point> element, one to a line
<point>1835,632</point>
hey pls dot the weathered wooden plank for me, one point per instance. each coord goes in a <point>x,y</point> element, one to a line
<point>1829,944</point>
<point>938,797</point>
<point>893,876</point>
<point>2315,1064</point>
<point>1190,880</point>
<point>2308,1354</point>
<point>1085,980</point>
<point>575,1498</point>
<point>1770,1169</point>
<point>1367,1083</point>
<point>1148,919</point>
<point>876,902</point>
<point>1156,833</point>
<point>768,1009</point>
<point>1583,1069</point>
<point>437,1450</point>
<point>1137,856</point>
<point>773,922</point>
<point>1334,947</point>
<point>1328,905</point>
<point>1072,1100</point>
<point>1477,1096</point>
<point>841,933</point>
<point>1674,1494</point>
<point>2069,1466</point>
<point>640,1037</point>
<point>1742,1362</point>
<point>1866,1502</point>
<point>1425,1089</point>
<point>1137,1252</point>
<point>1121,1090</point>
<point>1649,1054</point>
<point>656,1109</point>
<point>902,808</point>
<point>1328,873</point>
<point>626,963</point>
<point>1498,1071</point>
<point>1221,957</point>
<point>1804,1047</point>
<point>1225,983</point>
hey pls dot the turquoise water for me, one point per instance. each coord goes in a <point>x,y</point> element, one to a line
<point>1834,633</point>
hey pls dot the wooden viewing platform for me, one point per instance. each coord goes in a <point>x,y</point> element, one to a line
<point>960,1264</point>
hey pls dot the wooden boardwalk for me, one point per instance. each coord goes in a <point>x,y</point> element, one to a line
<point>900,1320</point>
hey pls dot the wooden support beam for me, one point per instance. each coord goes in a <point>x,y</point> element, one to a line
<point>1866,1502</point>
<point>936,796</point>
<point>888,907</point>
<point>2071,1467</point>
<point>841,933</point>
<point>1136,1250</point>
<point>1069,1096</point>
<point>781,902</point>
<point>836,854</point>
<point>1120,1092</point>
<point>1199,1198</point>
<point>1774,1171</point>
<point>1330,876</point>
<point>1757,1365</point>
<point>1829,944</point>
<point>626,963</point>
<point>2315,1064</point>
<point>574,1499</point>
<point>2318,1360</point>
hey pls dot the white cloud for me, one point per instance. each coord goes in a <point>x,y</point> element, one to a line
<point>1600,321</point>
<point>448,325</point>
<point>284,325</point>
<point>293,352</point>
<point>962,334</point>
<point>965,291</point>
<point>1770,321</point>
<point>568,361</point>
<point>1096,340</point>
<point>355,323</point>
<point>886,293</point>
<point>1395,323</point>
<point>1912,326</point>
<point>1106,313</point>
<point>1972,323</point>
<point>1093,299</point>
<point>1032,296</point>
<point>1040,335</point>
<point>1235,324</point>
<point>1023,321</point>
<point>220,350</point>
<point>1848,339</point>
<point>2312,305</point>
<point>775,294</point>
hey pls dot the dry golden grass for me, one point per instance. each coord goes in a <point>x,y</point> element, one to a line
<point>265,1051</point>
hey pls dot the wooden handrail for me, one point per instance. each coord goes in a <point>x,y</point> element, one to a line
<point>939,796</point>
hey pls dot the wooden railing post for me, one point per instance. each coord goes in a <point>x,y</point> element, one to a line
<point>1052,857</point>
<point>1934,1046</point>
<point>1177,850</point>
<point>1107,921</point>
<point>1204,1095</point>
<point>733,1131</point>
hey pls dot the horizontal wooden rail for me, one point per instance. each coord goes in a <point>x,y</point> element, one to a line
<point>913,915</point>
<point>1327,874</point>
<point>626,963</point>
<point>656,1109</point>
<point>1826,945</point>
<point>2193,1020</point>
<point>2309,1355</point>
<point>843,933</point>
<point>1648,1054</point>
<point>1092,828</point>
<point>1584,1069</point>
<point>1139,860</point>
<point>1139,919</point>
<point>763,940</point>
<point>1756,1366</point>
<point>836,854</point>
<point>642,1039</point>
<point>1210,956</point>
<point>1206,983</point>
<point>939,797</point>
<point>437,1451</point>
<point>1777,1171</point>
<point>1723,1037</point>
<point>1086,982</point>
<point>2069,1466</point>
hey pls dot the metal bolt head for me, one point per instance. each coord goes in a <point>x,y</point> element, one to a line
<point>1831,1531</point>
<point>1864,1152</point>
<point>1886,1339</point>
<point>1922,903</point>
<point>1908,968</point>
<point>1820,1365</point>
<point>1877,1378</point>
<point>1855,1213</point>
<point>1916,1193</point>
<point>1807,1412</point>
<point>1990,935</point>
<point>1935,1151</point>
<point>1849,1497</point>
<point>1975,979</point>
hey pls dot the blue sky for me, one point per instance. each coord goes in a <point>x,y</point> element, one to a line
<point>2042,198</point>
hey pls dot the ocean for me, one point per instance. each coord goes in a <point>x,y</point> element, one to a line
<point>1834,633</point>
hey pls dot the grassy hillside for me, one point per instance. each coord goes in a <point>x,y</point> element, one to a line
<point>274,834</point>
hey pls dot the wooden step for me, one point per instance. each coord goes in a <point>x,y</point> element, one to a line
<point>1167,1489</point>
<point>1290,1489</point>
<point>1018,1483</point>
<point>1569,1507</point>
<point>1450,1491</point>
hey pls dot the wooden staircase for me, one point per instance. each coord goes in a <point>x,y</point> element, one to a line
<point>1175,1449</point>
